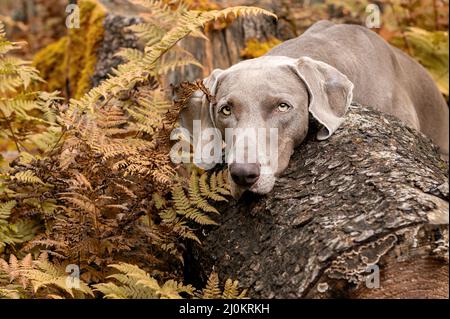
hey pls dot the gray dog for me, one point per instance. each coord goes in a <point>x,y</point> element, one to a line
<point>319,73</point>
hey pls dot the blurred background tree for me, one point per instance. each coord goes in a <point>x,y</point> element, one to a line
<point>419,27</point>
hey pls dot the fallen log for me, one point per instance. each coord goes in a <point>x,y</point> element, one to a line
<point>363,214</point>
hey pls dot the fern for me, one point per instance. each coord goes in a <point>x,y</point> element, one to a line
<point>213,291</point>
<point>131,282</point>
<point>6,231</point>
<point>45,279</point>
<point>134,283</point>
<point>17,232</point>
<point>78,187</point>
<point>231,291</point>
<point>218,184</point>
<point>5,211</point>
<point>14,269</point>
<point>13,284</point>
<point>22,112</point>
<point>45,274</point>
<point>38,278</point>
<point>195,195</point>
<point>129,74</point>
<point>212,190</point>
<point>27,177</point>
<point>194,205</point>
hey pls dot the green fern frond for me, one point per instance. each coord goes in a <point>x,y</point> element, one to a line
<point>5,211</point>
<point>149,33</point>
<point>20,231</point>
<point>206,191</point>
<point>222,180</point>
<point>5,45</point>
<point>9,292</point>
<point>171,289</point>
<point>160,202</point>
<point>160,11</point>
<point>15,73</point>
<point>231,291</point>
<point>46,274</point>
<point>199,217</point>
<point>181,201</point>
<point>27,177</point>
<point>213,291</point>
<point>168,215</point>
<point>215,185</point>
<point>195,196</point>
<point>190,21</point>
<point>171,65</point>
<point>130,54</point>
<point>184,231</point>
<point>177,57</point>
<point>46,140</point>
<point>135,283</point>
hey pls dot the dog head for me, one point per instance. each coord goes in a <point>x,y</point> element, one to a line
<point>261,112</point>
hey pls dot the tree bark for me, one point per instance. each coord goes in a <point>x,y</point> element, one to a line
<point>118,16</point>
<point>374,195</point>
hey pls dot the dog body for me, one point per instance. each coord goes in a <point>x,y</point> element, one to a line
<point>319,73</point>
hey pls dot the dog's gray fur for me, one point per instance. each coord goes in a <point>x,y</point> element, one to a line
<point>320,73</point>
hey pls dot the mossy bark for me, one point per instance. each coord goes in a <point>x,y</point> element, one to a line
<point>83,45</point>
<point>69,64</point>
<point>52,65</point>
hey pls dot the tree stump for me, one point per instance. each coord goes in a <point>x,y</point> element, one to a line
<point>370,201</point>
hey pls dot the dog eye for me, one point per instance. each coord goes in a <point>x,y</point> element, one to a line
<point>226,110</point>
<point>283,107</point>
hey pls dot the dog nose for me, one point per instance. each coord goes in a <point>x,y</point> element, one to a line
<point>244,174</point>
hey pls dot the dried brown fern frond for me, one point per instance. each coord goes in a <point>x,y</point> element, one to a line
<point>13,284</point>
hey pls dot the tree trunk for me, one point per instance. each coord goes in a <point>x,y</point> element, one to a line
<point>371,200</point>
<point>225,45</point>
<point>115,36</point>
<point>222,50</point>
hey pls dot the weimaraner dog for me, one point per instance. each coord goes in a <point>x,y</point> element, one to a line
<point>317,74</point>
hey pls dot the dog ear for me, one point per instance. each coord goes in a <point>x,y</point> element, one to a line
<point>198,108</point>
<point>330,94</point>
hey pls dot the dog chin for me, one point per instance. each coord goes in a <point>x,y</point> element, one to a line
<point>263,186</point>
